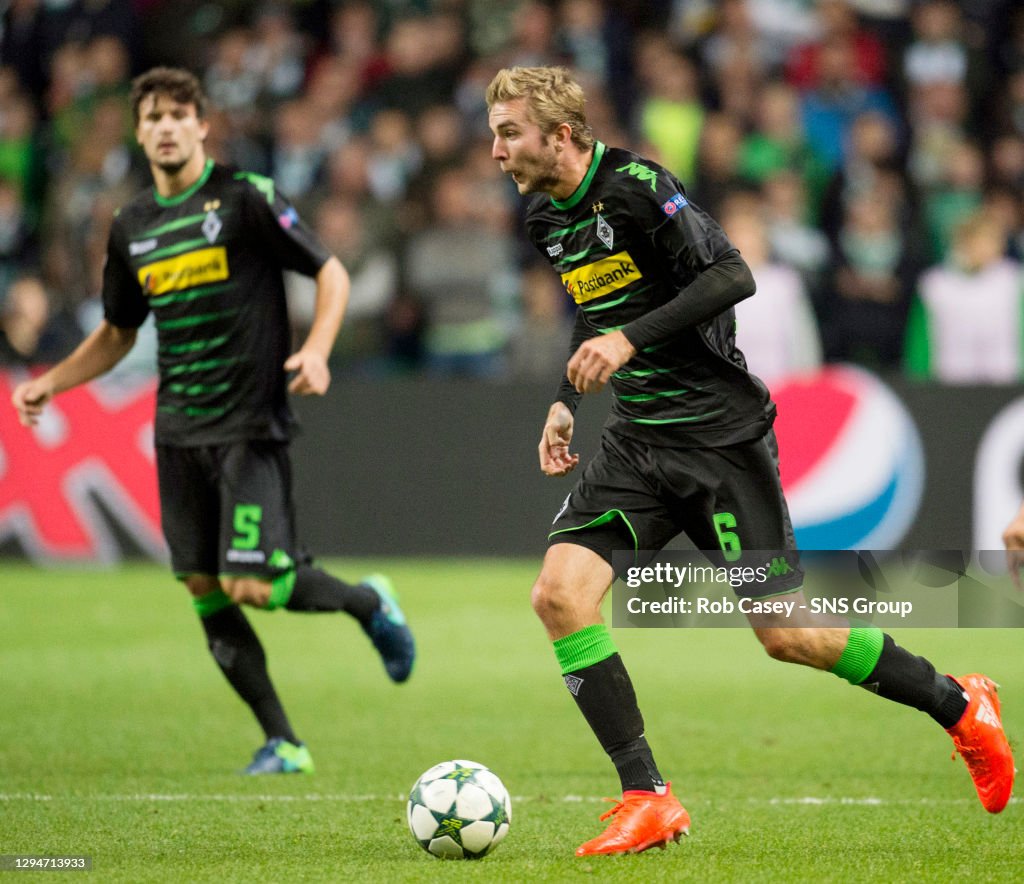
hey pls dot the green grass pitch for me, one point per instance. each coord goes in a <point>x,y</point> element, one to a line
<point>119,739</point>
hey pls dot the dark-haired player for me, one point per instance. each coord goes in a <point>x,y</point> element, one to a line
<point>205,250</point>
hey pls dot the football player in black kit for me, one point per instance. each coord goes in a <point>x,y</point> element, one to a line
<point>204,249</point>
<point>688,446</point>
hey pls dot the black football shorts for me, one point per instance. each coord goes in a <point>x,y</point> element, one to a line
<point>728,501</point>
<point>227,509</point>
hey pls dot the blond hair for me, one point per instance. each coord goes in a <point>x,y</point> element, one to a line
<point>552,96</point>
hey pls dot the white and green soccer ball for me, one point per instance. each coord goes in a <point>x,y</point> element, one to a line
<point>459,810</point>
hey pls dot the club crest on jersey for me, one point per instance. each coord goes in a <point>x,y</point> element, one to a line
<point>212,226</point>
<point>605,232</point>
<point>677,202</point>
<point>555,250</point>
<point>142,246</point>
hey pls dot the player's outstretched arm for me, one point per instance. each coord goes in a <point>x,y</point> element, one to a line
<point>555,459</point>
<point>1013,537</point>
<point>96,355</point>
<point>312,376</point>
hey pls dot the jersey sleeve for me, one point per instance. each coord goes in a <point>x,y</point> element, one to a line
<point>280,228</point>
<point>679,229</point>
<point>124,302</point>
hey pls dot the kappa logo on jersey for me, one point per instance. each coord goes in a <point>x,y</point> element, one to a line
<point>605,232</point>
<point>141,247</point>
<point>555,250</point>
<point>677,202</point>
<point>601,278</point>
<point>641,173</point>
<point>185,271</point>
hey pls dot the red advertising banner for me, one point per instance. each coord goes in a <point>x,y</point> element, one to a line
<point>86,467</point>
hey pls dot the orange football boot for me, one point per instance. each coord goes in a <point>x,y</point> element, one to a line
<point>981,741</point>
<point>642,820</point>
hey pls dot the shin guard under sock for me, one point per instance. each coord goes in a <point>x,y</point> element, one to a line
<point>316,590</point>
<point>239,654</point>
<point>597,679</point>
<point>874,661</point>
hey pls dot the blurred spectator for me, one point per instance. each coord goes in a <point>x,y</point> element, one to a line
<point>838,22</point>
<point>775,329</point>
<point>299,154</point>
<point>30,332</point>
<point>871,154</point>
<point>582,40</point>
<point>777,142</point>
<point>793,239</point>
<point>717,174</point>
<point>957,194</point>
<point>968,322</point>
<point>395,155</point>
<point>462,269</point>
<point>939,51</point>
<point>18,246</point>
<point>421,69</point>
<point>278,53</point>
<point>232,84</point>
<point>373,273</point>
<point>538,349</point>
<point>735,37</point>
<point>830,108</point>
<point>670,114</point>
<point>876,265</point>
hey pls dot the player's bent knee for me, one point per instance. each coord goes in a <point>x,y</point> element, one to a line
<point>785,645</point>
<point>549,599</point>
<point>247,591</point>
<point>199,585</point>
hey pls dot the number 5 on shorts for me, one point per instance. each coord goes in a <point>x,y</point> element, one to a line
<point>729,541</point>
<point>247,526</point>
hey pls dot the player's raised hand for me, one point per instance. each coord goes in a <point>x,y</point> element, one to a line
<point>555,459</point>
<point>30,398</point>
<point>312,376</point>
<point>593,364</point>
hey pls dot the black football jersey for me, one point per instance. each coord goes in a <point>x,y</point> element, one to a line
<point>208,263</point>
<point>627,241</point>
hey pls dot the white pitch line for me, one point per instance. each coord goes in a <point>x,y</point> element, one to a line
<point>807,800</point>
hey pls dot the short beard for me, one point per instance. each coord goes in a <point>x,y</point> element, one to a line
<point>172,169</point>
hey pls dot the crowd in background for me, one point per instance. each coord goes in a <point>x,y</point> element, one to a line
<point>866,156</point>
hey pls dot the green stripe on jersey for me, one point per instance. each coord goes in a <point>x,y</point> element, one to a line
<point>650,421</point>
<point>186,245</point>
<point>604,305</point>
<point>198,389</point>
<point>171,226</point>
<point>193,346</point>
<point>200,365</point>
<point>572,228</point>
<point>188,295</point>
<point>640,373</point>
<point>192,321</point>
<point>650,397</point>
